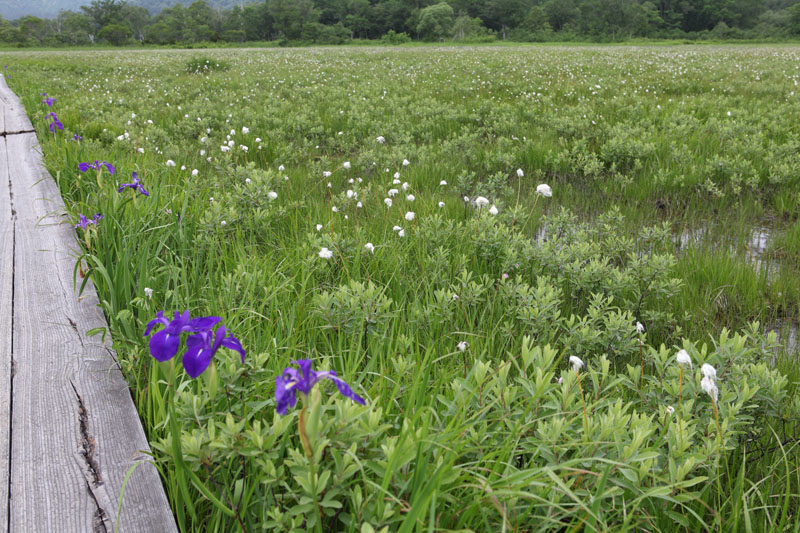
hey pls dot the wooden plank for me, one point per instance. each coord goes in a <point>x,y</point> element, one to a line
<point>75,430</point>
<point>3,114</point>
<point>14,116</point>
<point>6,291</point>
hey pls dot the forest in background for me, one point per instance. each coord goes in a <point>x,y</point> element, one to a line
<point>117,22</point>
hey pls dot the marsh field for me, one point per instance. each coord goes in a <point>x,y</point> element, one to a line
<point>519,259</point>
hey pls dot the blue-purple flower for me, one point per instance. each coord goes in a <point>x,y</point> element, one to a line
<point>291,381</point>
<point>136,186</point>
<point>97,165</point>
<point>164,344</point>
<point>84,222</point>
<point>201,346</point>
<point>47,100</point>
<point>76,137</point>
<point>55,122</point>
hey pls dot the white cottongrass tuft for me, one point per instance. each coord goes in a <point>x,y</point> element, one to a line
<point>683,358</point>
<point>709,371</point>
<point>272,195</point>
<point>148,292</point>
<point>370,248</point>
<point>710,388</point>
<point>380,139</point>
<point>544,190</point>
<point>480,201</point>
<point>639,327</point>
<point>388,202</point>
<point>410,216</point>
<point>443,183</point>
<point>406,162</point>
<point>670,410</point>
<point>170,163</point>
<point>462,346</point>
<point>401,233</point>
<point>392,192</point>
<point>346,165</point>
<point>493,210</point>
<point>441,204</point>
<point>411,198</point>
<point>576,362</point>
<point>325,253</point>
<point>319,227</point>
<point>520,173</point>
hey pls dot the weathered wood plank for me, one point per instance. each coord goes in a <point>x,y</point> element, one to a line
<point>75,430</point>
<point>6,291</point>
<point>14,116</point>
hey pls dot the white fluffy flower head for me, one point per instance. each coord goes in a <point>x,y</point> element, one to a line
<point>544,190</point>
<point>709,371</point>
<point>576,362</point>
<point>325,253</point>
<point>683,358</point>
<point>710,388</point>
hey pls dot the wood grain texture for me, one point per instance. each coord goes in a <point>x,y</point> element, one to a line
<point>6,295</point>
<point>14,116</point>
<point>74,429</point>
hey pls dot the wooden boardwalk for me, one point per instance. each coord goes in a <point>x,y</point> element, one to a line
<point>69,432</point>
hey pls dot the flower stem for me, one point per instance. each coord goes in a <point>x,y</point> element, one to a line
<point>583,400</point>
<point>680,405</point>
<point>310,455</point>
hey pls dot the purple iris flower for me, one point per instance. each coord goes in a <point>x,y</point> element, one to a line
<point>49,101</point>
<point>84,222</point>
<point>291,381</point>
<point>56,123</point>
<point>83,167</point>
<point>164,344</point>
<point>76,137</point>
<point>136,186</point>
<point>202,346</point>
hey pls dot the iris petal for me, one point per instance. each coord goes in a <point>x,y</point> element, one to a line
<point>164,346</point>
<point>198,355</point>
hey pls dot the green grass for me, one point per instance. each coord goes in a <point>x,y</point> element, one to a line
<point>656,193</point>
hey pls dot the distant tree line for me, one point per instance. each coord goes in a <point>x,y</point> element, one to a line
<point>118,22</point>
